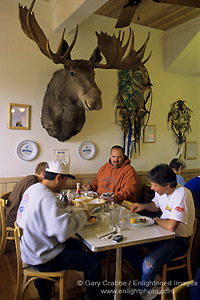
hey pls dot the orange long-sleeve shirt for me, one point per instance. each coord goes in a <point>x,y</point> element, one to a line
<point>123,181</point>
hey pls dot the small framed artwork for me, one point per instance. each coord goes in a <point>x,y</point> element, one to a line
<point>62,154</point>
<point>19,116</point>
<point>149,134</point>
<point>191,150</point>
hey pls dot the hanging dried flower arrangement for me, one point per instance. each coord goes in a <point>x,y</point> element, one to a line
<point>179,117</point>
<point>134,103</point>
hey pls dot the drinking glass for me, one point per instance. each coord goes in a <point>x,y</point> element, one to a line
<point>114,215</point>
<point>125,218</point>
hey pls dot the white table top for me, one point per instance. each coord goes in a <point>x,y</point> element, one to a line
<point>136,236</point>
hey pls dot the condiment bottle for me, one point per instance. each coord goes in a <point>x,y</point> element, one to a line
<point>78,190</point>
<point>68,194</point>
<point>70,204</point>
<point>64,199</point>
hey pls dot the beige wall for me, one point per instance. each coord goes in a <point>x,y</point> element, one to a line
<point>25,73</point>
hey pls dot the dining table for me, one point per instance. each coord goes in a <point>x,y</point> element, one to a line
<point>134,235</point>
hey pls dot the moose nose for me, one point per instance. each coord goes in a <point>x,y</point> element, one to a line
<point>98,105</point>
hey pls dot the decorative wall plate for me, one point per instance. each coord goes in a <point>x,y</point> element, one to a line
<point>27,150</point>
<point>87,150</point>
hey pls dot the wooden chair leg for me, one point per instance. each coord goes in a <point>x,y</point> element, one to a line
<point>164,278</point>
<point>18,294</point>
<point>3,246</point>
<point>62,289</point>
<point>189,269</point>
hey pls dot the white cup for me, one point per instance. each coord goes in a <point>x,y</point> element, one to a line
<point>105,219</point>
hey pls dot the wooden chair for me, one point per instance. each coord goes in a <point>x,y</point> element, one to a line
<point>182,262</point>
<point>26,274</point>
<point>182,291</point>
<point>149,194</point>
<point>7,233</point>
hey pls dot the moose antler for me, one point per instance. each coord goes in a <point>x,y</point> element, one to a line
<point>110,46</point>
<point>112,50</point>
<point>32,29</point>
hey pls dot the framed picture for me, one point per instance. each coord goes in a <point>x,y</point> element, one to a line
<point>62,154</point>
<point>149,134</point>
<point>191,150</point>
<point>19,116</point>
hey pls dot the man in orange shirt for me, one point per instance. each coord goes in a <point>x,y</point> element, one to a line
<point>117,176</point>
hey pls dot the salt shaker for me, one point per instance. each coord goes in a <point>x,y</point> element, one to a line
<point>64,199</point>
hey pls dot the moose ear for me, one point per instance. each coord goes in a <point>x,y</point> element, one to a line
<point>96,56</point>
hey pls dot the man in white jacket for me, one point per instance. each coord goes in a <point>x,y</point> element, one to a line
<point>47,242</point>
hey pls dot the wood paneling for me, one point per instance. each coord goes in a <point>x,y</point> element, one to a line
<point>7,184</point>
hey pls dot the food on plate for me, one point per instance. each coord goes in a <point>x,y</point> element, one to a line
<point>138,220</point>
<point>141,220</point>
<point>132,221</point>
<point>92,220</point>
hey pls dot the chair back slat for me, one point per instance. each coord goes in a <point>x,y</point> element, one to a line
<point>5,230</point>
<point>17,235</point>
<point>5,196</point>
<point>193,235</point>
<point>3,227</point>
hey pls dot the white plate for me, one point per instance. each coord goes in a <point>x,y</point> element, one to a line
<point>87,150</point>
<point>149,221</point>
<point>88,224</point>
<point>27,150</point>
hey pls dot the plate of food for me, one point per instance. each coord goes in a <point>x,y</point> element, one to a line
<point>141,221</point>
<point>92,220</point>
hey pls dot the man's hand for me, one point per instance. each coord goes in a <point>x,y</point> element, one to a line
<point>86,187</point>
<point>136,207</point>
<point>87,214</point>
<point>150,206</point>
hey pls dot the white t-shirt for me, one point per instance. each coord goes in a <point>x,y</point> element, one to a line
<point>178,206</point>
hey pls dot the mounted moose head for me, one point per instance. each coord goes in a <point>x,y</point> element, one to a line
<point>73,90</point>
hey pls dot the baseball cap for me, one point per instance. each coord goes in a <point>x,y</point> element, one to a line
<point>59,167</point>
